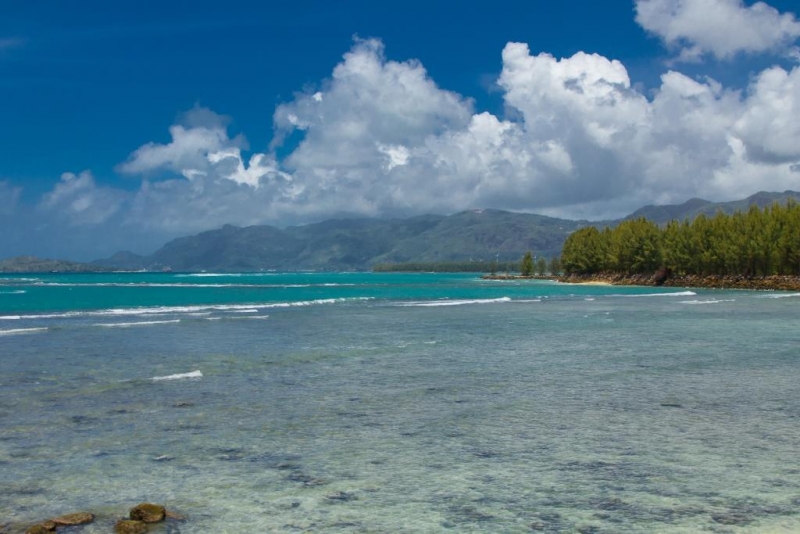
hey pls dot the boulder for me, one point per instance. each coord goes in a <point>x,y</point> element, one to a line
<point>147,512</point>
<point>661,276</point>
<point>130,526</point>
<point>69,520</point>
<point>39,529</point>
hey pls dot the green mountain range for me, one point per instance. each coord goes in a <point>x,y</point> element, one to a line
<point>354,244</point>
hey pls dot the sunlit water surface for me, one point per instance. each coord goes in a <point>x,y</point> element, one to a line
<point>398,403</point>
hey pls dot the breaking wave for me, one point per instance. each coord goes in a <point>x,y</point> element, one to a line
<point>15,331</point>
<point>137,323</point>
<point>437,303</point>
<point>179,376</point>
<point>212,275</point>
<point>188,285</point>
<point>193,309</point>
<point>711,301</point>
<point>676,294</point>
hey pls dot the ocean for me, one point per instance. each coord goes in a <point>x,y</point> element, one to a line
<point>364,402</point>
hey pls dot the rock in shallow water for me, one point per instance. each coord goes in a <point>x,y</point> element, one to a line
<point>147,512</point>
<point>78,518</point>
<point>129,526</point>
<point>38,529</point>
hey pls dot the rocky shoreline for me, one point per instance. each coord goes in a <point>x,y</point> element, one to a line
<point>774,283</point>
<point>139,519</point>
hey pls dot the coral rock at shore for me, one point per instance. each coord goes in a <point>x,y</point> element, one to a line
<point>666,279</point>
<point>78,518</point>
<point>130,526</point>
<point>147,512</point>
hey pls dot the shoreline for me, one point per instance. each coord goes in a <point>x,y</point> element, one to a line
<point>761,283</point>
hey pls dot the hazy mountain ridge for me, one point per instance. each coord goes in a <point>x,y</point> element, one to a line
<point>696,206</point>
<point>353,244</point>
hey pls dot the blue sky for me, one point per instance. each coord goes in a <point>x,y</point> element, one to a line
<point>124,124</point>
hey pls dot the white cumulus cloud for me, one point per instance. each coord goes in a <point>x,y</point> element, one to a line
<point>381,138</point>
<point>721,28</point>
<point>770,124</point>
<point>78,200</point>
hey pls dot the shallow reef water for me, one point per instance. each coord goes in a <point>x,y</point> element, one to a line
<point>399,403</point>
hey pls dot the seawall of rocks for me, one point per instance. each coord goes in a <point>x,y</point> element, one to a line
<point>777,283</point>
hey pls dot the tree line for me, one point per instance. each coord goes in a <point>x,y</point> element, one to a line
<point>528,266</point>
<point>757,242</point>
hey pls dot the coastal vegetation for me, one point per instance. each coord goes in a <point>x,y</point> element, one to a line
<point>526,265</point>
<point>753,243</point>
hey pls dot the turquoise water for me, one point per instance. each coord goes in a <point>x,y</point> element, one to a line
<point>357,402</point>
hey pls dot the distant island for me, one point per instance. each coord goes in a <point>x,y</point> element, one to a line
<point>32,264</point>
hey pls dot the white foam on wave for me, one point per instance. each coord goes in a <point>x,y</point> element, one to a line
<point>16,331</point>
<point>11,317</point>
<point>676,294</point>
<point>148,284</point>
<point>179,376</point>
<point>211,275</point>
<point>782,295</point>
<point>207,275</point>
<point>710,301</point>
<point>137,323</point>
<point>252,317</point>
<point>189,285</point>
<point>15,292</point>
<point>167,310</point>
<point>437,303</point>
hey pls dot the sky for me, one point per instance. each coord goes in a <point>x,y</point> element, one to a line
<point>125,124</point>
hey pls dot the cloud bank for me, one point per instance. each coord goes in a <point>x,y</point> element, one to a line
<point>381,138</point>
